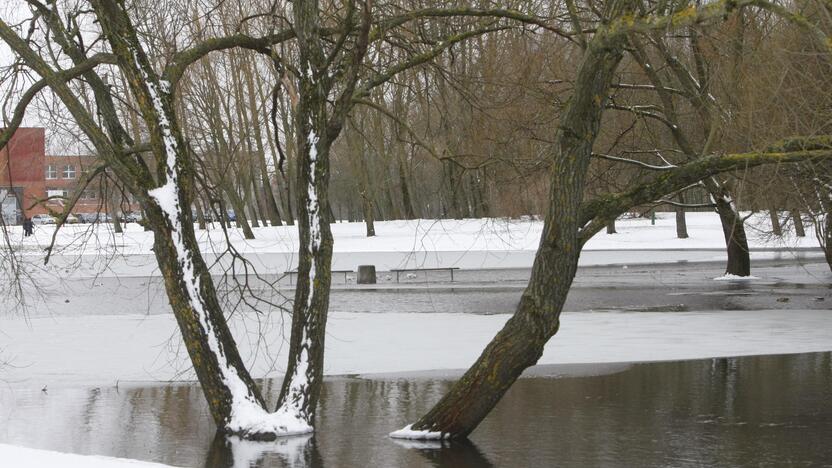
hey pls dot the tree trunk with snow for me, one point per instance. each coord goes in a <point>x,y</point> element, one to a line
<point>520,343</point>
<point>316,127</point>
<point>733,229</point>
<point>611,227</point>
<point>234,400</point>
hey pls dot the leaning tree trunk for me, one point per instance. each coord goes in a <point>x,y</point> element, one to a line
<point>239,211</point>
<point>799,230</point>
<point>193,299</point>
<point>520,343</point>
<point>733,229</point>
<point>268,194</point>
<point>776,229</point>
<point>233,399</point>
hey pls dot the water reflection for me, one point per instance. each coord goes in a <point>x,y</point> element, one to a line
<point>446,454</point>
<point>770,410</point>
<point>233,452</point>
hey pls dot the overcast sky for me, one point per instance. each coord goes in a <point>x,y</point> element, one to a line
<point>58,141</point>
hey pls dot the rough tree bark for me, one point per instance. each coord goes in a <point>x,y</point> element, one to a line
<point>228,387</point>
<point>681,219</point>
<point>733,230</point>
<point>520,343</point>
<point>827,235</point>
<point>776,229</point>
<point>316,128</point>
<point>799,230</point>
<point>567,226</point>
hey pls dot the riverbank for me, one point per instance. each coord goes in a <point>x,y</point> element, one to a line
<point>111,350</point>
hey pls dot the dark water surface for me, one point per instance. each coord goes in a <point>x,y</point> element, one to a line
<point>780,285</point>
<point>751,411</point>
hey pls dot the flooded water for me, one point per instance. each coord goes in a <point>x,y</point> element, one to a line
<point>751,411</point>
<point>780,284</point>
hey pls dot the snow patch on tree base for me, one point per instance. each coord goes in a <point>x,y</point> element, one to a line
<point>731,277</point>
<point>250,421</point>
<point>408,433</point>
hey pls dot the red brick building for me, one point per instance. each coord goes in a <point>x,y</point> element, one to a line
<point>29,177</point>
<point>61,177</point>
<point>21,175</point>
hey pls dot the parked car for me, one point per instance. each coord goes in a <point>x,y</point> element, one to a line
<point>232,216</point>
<point>71,219</point>
<point>207,215</point>
<point>97,218</point>
<point>133,217</point>
<point>86,217</point>
<point>43,219</point>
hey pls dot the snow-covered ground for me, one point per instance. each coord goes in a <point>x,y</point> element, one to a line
<point>89,250</point>
<point>101,350</point>
<point>107,350</point>
<point>13,456</point>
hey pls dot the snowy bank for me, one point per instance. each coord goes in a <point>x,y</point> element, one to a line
<point>106,350</point>
<point>21,457</point>
<point>470,243</point>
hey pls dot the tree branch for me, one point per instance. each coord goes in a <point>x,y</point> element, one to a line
<point>596,213</point>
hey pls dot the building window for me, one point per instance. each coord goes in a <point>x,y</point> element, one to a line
<point>51,172</point>
<point>57,193</point>
<point>88,195</point>
<point>69,171</point>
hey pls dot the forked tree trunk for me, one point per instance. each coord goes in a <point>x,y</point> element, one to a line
<point>230,392</point>
<point>205,332</point>
<point>520,343</point>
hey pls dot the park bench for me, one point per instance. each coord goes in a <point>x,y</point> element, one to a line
<point>295,271</point>
<point>401,270</point>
